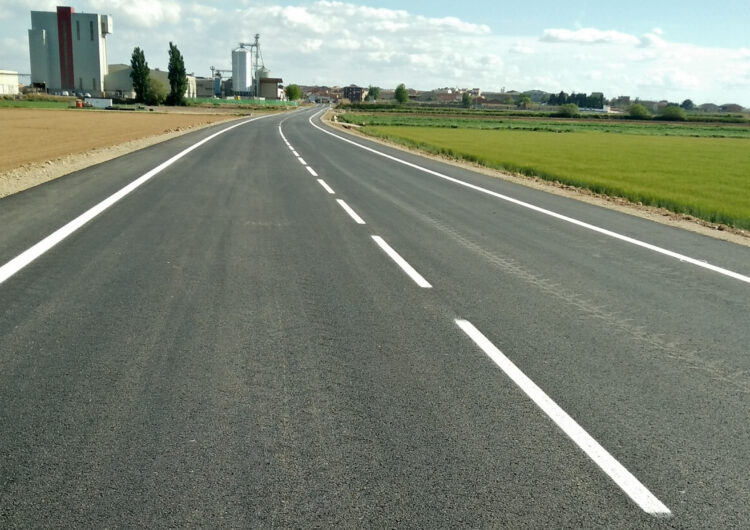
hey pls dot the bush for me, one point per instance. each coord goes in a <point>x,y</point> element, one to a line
<point>673,113</point>
<point>569,110</point>
<point>157,93</point>
<point>639,112</point>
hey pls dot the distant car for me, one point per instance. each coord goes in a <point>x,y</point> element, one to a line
<point>87,95</point>
<point>65,93</point>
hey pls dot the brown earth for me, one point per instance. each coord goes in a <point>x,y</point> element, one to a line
<point>660,215</point>
<point>40,144</point>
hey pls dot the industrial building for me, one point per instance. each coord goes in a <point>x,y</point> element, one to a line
<point>69,50</point>
<point>355,94</point>
<point>8,83</point>
<point>250,77</point>
<point>118,82</point>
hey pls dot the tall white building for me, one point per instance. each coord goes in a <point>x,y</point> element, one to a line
<point>69,50</point>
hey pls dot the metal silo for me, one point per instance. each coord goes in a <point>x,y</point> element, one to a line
<point>262,73</point>
<point>241,70</point>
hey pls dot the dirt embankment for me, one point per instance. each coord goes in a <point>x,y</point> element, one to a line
<point>41,145</point>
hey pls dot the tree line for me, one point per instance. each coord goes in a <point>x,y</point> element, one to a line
<point>149,90</point>
<point>593,101</point>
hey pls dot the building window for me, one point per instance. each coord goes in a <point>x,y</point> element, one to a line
<point>80,83</point>
<point>91,27</point>
<point>78,30</point>
<point>93,82</point>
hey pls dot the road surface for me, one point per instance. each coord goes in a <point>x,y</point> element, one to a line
<point>284,326</point>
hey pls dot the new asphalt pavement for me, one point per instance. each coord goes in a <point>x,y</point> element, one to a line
<point>284,328</point>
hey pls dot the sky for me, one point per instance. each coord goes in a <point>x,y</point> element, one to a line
<point>653,49</point>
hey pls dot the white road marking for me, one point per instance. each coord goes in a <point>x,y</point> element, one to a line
<point>295,153</point>
<point>301,160</point>
<point>312,171</point>
<point>681,257</point>
<point>352,213</point>
<point>614,469</point>
<point>326,186</point>
<point>32,253</point>
<point>401,262</point>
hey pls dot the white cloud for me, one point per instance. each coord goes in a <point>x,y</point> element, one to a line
<point>338,43</point>
<point>141,13</point>
<point>520,49</point>
<point>588,36</point>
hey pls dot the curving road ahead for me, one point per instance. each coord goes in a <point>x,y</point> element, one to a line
<point>284,326</point>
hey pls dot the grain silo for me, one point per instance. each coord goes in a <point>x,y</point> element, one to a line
<point>242,81</point>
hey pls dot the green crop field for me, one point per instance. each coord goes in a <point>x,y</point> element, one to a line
<point>702,176</point>
<point>36,104</point>
<point>486,121</point>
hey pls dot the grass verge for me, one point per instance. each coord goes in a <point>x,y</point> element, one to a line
<point>703,177</point>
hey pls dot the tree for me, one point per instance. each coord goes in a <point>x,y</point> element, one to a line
<point>157,92</point>
<point>688,105</point>
<point>524,101</point>
<point>569,110</point>
<point>673,113</point>
<point>373,92</point>
<point>293,92</point>
<point>638,112</point>
<point>401,95</point>
<point>466,100</point>
<point>177,77</point>
<point>139,72</point>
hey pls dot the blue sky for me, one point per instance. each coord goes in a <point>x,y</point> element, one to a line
<point>646,49</point>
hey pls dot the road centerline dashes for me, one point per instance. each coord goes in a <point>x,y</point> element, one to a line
<point>326,186</point>
<point>588,226</point>
<point>352,213</point>
<point>401,262</point>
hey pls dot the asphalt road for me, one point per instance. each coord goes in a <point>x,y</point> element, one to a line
<point>229,346</point>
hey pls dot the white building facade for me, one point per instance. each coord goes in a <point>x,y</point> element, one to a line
<point>68,50</point>
<point>8,83</point>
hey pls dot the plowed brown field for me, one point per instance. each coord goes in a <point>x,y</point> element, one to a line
<point>32,135</point>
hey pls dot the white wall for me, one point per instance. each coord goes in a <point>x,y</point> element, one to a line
<point>8,83</point>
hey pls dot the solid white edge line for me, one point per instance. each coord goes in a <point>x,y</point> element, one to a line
<point>326,186</point>
<point>312,171</point>
<point>582,224</point>
<point>32,253</point>
<point>614,469</point>
<point>301,160</point>
<point>352,213</point>
<point>401,262</point>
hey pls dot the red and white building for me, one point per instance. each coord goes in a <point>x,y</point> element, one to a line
<point>69,50</point>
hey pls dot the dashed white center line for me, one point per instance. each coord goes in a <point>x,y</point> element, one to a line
<point>401,262</point>
<point>609,233</point>
<point>326,186</point>
<point>614,469</point>
<point>352,213</point>
<point>301,160</point>
<point>295,153</point>
<point>312,171</point>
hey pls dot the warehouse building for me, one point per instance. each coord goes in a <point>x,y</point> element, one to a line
<point>8,83</point>
<point>69,50</point>
<point>118,82</point>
